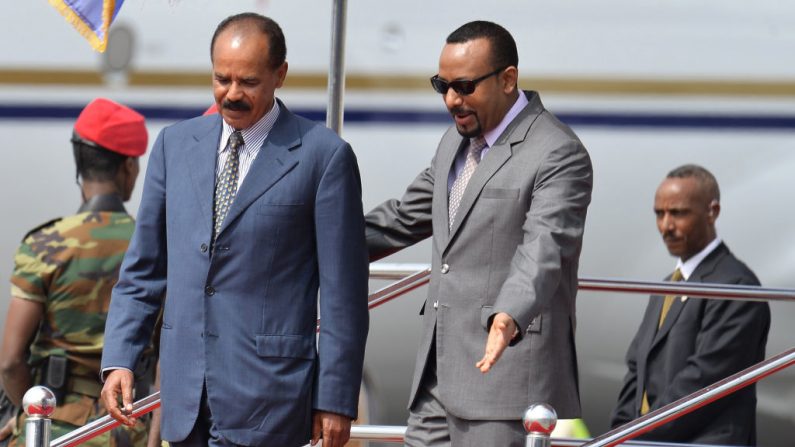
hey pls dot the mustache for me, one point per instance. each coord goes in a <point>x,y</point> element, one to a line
<point>460,111</point>
<point>239,106</point>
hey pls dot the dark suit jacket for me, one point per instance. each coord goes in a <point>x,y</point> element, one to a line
<point>243,319</point>
<point>701,341</point>
<point>514,248</point>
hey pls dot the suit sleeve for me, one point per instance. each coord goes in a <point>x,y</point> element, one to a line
<point>137,296</point>
<point>553,231</point>
<point>343,270</point>
<point>727,343</point>
<point>397,224</point>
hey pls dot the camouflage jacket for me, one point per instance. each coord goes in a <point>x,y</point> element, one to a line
<point>70,265</point>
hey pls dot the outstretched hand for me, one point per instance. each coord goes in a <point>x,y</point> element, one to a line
<point>502,331</point>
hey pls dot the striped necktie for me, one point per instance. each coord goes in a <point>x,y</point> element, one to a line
<point>476,146</point>
<point>226,184</point>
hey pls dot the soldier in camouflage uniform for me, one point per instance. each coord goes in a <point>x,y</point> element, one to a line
<point>63,275</point>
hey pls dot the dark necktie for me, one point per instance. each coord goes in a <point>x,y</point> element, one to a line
<point>226,184</point>
<point>476,146</point>
<point>667,302</point>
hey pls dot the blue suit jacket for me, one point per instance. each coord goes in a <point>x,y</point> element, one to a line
<point>243,319</point>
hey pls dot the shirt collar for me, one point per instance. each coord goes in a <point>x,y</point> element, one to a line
<point>103,202</point>
<point>253,136</point>
<point>688,267</point>
<point>492,135</point>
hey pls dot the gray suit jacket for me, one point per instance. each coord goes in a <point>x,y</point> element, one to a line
<point>514,248</point>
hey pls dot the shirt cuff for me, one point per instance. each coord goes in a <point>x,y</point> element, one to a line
<point>105,371</point>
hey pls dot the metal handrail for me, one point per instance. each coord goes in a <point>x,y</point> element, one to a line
<point>396,433</point>
<point>384,270</point>
<point>695,400</point>
<point>105,423</point>
<point>394,290</point>
<point>569,442</point>
<point>416,275</point>
<point>384,433</point>
<point>149,403</point>
<point>399,288</point>
<point>695,290</point>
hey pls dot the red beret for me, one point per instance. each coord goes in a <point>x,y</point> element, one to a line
<point>113,126</point>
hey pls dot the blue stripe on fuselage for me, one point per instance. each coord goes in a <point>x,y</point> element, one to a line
<point>380,117</point>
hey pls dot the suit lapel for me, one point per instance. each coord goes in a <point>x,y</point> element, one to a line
<point>709,264</point>
<point>705,268</point>
<point>670,318</point>
<point>647,338</point>
<point>497,156</point>
<point>275,159</point>
<point>447,154</point>
<point>491,163</point>
<point>202,159</point>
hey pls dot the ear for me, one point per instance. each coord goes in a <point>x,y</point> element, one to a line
<point>129,165</point>
<point>281,73</point>
<point>126,177</point>
<point>509,79</point>
<point>714,210</point>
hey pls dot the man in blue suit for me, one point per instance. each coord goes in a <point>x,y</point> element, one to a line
<point>241,235</point>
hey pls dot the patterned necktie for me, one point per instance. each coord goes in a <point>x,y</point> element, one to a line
<point>667,302</point>
<point>476,146</point>
<point>669,299</point>
<point>226,184</point>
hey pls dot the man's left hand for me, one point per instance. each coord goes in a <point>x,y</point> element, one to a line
<point>502,331</point>
<point>333,428</point>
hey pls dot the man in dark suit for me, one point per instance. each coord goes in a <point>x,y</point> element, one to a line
<point>684,344</point>
<point>241,235</point>
<point>505,200</point>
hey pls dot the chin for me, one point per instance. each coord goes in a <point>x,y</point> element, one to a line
<point>471,133</point>
<point>675,252</point>
<point>237,124</point>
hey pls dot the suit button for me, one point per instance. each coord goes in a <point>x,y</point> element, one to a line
<point>203,248</point>
<point>436,304</point>
<point>445,268</point>
<point>209,290</point>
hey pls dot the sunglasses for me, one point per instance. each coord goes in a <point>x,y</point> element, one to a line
<point>462,86</point>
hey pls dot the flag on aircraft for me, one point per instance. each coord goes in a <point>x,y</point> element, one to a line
<point>91,18</point>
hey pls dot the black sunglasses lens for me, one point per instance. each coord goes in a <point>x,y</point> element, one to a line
<point>463,87</point>
<point>439,85</point>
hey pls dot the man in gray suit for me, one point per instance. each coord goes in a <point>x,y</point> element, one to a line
<point>505,200</point>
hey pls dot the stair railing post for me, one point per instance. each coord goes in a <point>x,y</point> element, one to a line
<point>539,421</point>
<point>39,404</point>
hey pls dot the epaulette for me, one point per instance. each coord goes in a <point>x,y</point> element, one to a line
<point>42,226</point>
